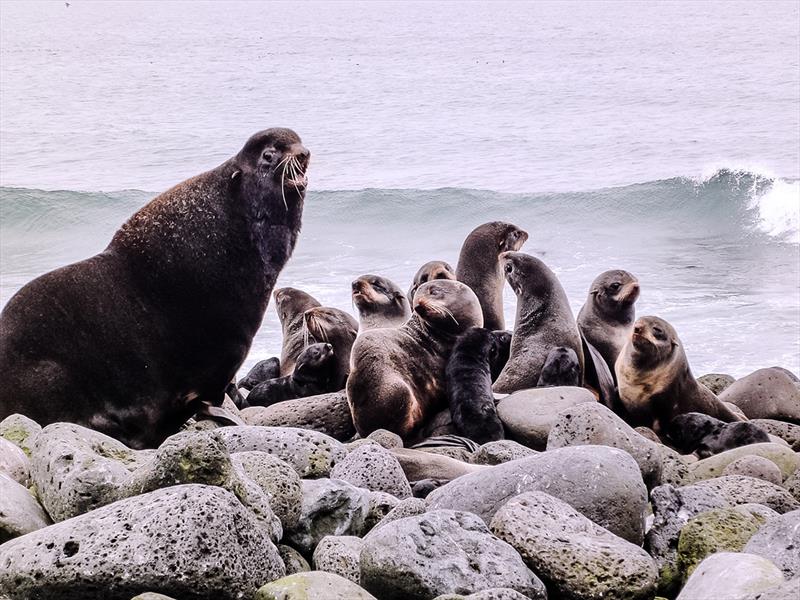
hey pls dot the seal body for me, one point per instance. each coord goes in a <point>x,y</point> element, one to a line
<point>502,341</point>
<point>544,321</point>
<point>561,367</point>
<point>291,305</point>
<point>397,380</point>
<point>607,316</point>
<point>263,370</point>
<point>435,269</point>
<point>479,266</point>
<point>313,374</point>
<point>337,328</point>
<point>380,303</point>
<point>706,436</point>
<point>469,386</point>
<point>655,381</point>
<point>132,341</point>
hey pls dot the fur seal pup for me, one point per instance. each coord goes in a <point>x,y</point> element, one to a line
<point>706,436</point>
<point>770,393</point>
<point>544,321</point>
<point>435,269</point>
<point>263,370</point>
<point>502,339</point>
<point>397,380</point>
<point>313,374</point>
<point>655,381</point>
<point>561,367</point>
<point>479,266</point>
<point>380,303</point>
<point>134,340</point>
<point>607,316</point>
<point>291,305</point>
<point>335,327</point>
<point>469,385</point>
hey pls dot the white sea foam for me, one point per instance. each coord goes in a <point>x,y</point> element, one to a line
<point>779,210</point>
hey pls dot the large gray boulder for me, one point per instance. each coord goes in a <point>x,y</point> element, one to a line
<point>313,585</point>
<point>779,541</point>
<point>20,513</point>
<point>603,483</point>
<point>528,415</point>
<point>375,468</point>
<point>766,394</point>
<point>417,558</point>
<point>20,431</point>
<point>418,465</point>
<point>326,413</point>
<point>575,557</point>
<point>500,451</point>
<point>730,575</point>
<point>277,479</point>
<point>788,432</point>
<point>716,382</point>
<point>340,554</point>
<point>714,466</point>
<point>187,541</point>
<point>14,462</point>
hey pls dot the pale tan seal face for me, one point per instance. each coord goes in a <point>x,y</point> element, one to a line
<point>322,321</point>
<point>614,290</point>
<point>448,306</point>
<point>290,302</point>
<point>653,341</point>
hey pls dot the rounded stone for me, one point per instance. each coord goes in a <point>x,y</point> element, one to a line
<point>373,467</point>
<point>277,479</point>
<point>14,462</point>
<point>293,560</point>
<point>500,451</point>
<point>20,431</point>
<point>340,554</point>
<point>779,541</point>
<point>387,439</point>
<point>731,575</point>
<point>20,513</point>
<point>313,585</point>
<point>716,382</point>
<point>714,466</point>
<point>755,466</point>
<point>325,413</point>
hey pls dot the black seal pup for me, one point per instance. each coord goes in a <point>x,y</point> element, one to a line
<point>561,367</point>
<point>313,374</point>
<point>544,321</point>
<point>133,341</point>
<point>262,371</point>
<point>380,303</point>
<point>335,327</point>
<point>434,269</point>
<point>655,381</point>
<point>502,339</point>
<point>479,266</point>
<point>469,386</point>
<point>706,436</point>
<point>291,305</point>
<point>398,379</point>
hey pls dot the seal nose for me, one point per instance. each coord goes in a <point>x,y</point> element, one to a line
<point>637,329</point>
<point>301,153</point>
<point>356,286</point>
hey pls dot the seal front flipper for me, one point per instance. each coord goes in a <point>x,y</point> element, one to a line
<point>218,414</point>
<point>597,377</point>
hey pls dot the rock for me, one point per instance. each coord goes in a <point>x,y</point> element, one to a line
<point>528,415</point>
<point>460,454</point>
<point>755,466</point>
<point>340,554</point>
<point>183,541</point>
<point>500,451</point>
<point>293,560</point>
<point>14,462</point>
<point>591,423</point>
<point>314,585</point>
<point>674,466</point>
<point>419,465</point>
<point>719,530</point>
<point>417,558</point>
<point>648,433</point>
<point>20,431</point>
<point>387,439</point>
<point>380,505</point>
<point>311,454</point>
<point>326,413</point>
<point>789,432</point>
<point>788,590</point>
<point>151,596</point>
<point>490,594</point>
<point>792,485</point>
<point>716,382</point>
<point>375,468</point>
<point>405,508</point>
<point>766,394</point>
<point>714,466</point>
<point>730,575</point>
<point>761,512</point>
<point>277,479</point>
<point>602,483</point>
<point>778,540</point>
<point>20,513</point>
<point>329,507</point>
<point>575,557</point>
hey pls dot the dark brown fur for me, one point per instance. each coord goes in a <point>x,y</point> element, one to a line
<point>435,269</point>
<point>291,305</point>
<point>335,327</point>
<point>380,303</point>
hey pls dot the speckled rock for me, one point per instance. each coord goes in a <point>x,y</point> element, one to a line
<point>326,413</point>
<point>373,467</point>
<point>340,554</point>
<point>314,585</point>
<point>761,512</point>
<point>491,594</point>
<point>312,454</point>
<point>730,575</point>
<point>405,508</point>
<point>591,423</point>
<point>714,466</point>
<point>20,513</point>
<point>380,505</point>
<point>779,541</point>
<point>14,462</point>
<point>277,479</point>
<point>792,485</point>
<point>766,394</point>
<point>152,596</point>
<point>789,432</point>
<point>329,507</point>
<point>602,483</point>
<point>183,541</point>
<point>528,415</point>
<point>716,382</point>
<point>20,431</point>
<point>417,558</point>
<point>418,465</point>
<point>387,439</point>
<point>500,451</point>
<point>788,590</point>
<point>576,558</point>
<point>719,530</point>
<point>460,454</point>
<point>674,466</point>
<point>293,560</point>
<point>755,466</point>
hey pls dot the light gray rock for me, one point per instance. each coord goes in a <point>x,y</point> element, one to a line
<point>183,541</point>
<point>329,507</point>
<point>293,560</point>
<point>500,451</point>
<point>789,432</point>
<point>602,483</point>
<point>417,558</point>
<point>14,462</point>
<point>20,513</point>
<point>151,596</point>
<point>277,479</point>
<point>314,585</point>
<point>755,466</point>
<point>788,590</point>
<point>714,466</point>
<point>575,557</point>
<point>674,466</point>
<point>20,431</point>
<point>380,505</point>
<point>311,454</point>
<point>373,467</point>
<point>779,541</point>
<point>418,465</point>
<point>591,423</point>
<point>716,382</point>
<point>792,485</point>
<point>528,415</point>
<point>490,594</point>
<point>730,575</point>
<point>757,510</point>
<point>387,439</point>
<point>340,554</point>
<point>766,394</point>
<point>326,413</point>
<point>405,508</point>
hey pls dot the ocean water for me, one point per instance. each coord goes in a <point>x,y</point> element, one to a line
<point>659,138</point>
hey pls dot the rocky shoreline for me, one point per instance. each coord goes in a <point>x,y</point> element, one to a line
<point>576,504</point>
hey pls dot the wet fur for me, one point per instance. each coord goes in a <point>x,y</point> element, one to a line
<point>291,305</point>
<point>313,374</point>
<point>435,269</point>
<point>335,327</point>
<point>706,436</point>
<point>263,370</point>
<point>561,367</point>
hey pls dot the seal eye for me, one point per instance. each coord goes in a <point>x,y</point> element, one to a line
<point>509,267</point>
<point>267,156</point>
<point>615,286</point>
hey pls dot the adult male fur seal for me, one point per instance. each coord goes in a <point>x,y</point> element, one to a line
<point>479,266</point>
<point>434,269</point>
<point>291,305</point>
<point>397,379</point>
<point>134,340</point>
<point>655,381</point>
<point>544,321</point>
<point>380,303</point>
